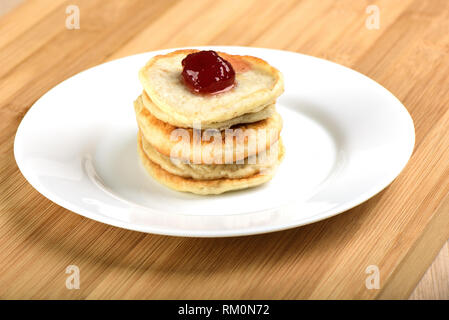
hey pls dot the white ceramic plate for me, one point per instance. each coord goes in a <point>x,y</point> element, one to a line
<point>346,139</point>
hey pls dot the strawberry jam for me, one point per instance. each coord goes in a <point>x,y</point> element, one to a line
<point>208,73</point>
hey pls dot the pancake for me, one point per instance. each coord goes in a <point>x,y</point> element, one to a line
<point>218,147</point>
<point>254,164</point>
<point>256,84</point>
<point>203,187</point>
<point>263,112</point>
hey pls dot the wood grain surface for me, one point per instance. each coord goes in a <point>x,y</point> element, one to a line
<point>400,230</point>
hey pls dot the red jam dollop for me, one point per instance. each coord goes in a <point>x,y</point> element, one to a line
<point>208,73</point>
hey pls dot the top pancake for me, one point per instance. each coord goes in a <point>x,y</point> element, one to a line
<point>256,84</point>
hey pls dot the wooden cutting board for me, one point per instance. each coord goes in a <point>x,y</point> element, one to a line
<point>400,230</point>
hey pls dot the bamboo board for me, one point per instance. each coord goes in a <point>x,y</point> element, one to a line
<point>400,230</point>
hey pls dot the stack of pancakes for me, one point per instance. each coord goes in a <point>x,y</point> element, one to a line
<point>209,144</point>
